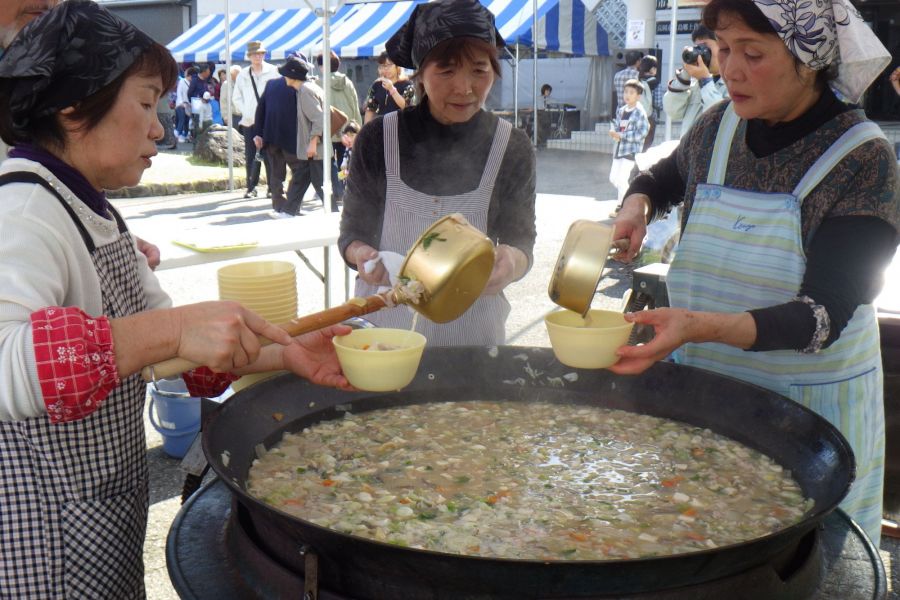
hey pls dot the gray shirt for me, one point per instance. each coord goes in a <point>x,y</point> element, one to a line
<point>310,111</point>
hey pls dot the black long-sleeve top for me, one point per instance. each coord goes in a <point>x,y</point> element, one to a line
<point>441,160</point>
<point>849,222</point>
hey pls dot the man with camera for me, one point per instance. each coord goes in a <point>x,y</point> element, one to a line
<point>697,86</point>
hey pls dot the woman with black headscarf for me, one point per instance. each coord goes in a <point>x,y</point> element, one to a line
<point>445,155</point>
<point>81,313</point>
<point>790,213</point>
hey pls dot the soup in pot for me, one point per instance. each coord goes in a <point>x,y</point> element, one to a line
<point>524,480</point>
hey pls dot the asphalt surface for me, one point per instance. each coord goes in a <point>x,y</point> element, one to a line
<point>571,185</point>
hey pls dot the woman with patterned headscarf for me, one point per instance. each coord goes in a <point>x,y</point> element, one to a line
<point>445,155</point>
<point>81,313</point>
<point>791,210</point>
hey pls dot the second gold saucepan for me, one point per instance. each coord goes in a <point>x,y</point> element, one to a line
<point>579,266</point>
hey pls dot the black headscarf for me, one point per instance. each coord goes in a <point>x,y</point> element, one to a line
<point>434,22</point>
<point>66,55</point>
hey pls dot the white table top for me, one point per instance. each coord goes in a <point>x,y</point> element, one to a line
<point>269,236</point>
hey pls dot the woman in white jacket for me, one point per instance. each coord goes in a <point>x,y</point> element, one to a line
<point>81,313</point>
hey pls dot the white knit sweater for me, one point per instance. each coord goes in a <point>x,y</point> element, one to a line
<point>44,262</point>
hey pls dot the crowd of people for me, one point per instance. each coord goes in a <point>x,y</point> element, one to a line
<point>790,211</point>
<point>280,118</point>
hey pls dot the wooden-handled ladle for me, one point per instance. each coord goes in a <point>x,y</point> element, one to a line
<point>451,261</point>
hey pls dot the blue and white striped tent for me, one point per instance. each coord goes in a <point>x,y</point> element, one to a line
<point>281,31</point>
<point>360,30</point>
<point>563,26</point>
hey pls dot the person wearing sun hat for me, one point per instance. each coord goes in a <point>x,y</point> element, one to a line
<point>307,113</point>
<point>248,88</point>
<point>790,203</point>
<point>444,155</point>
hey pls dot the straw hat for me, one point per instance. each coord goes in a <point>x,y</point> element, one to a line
<point>255,47</point>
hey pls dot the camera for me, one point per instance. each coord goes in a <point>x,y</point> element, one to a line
<point>690,55</point>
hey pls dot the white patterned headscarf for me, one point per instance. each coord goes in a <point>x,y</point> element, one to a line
<point>824,32</point>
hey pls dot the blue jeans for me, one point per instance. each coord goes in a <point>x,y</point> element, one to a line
<point>182,122</point>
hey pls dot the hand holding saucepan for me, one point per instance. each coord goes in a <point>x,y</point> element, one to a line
<point>631,223</point>
<point>504,270</point>
<point>361,254</point>
<point>223,335</point>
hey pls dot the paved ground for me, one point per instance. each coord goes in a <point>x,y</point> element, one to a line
<point>571,185</point>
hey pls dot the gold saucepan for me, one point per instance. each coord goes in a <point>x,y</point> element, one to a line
<point>443,274</point>
<point>579,266</point>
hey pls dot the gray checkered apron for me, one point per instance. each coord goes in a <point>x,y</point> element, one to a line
<point>74,496</point>
<point>408,213</point>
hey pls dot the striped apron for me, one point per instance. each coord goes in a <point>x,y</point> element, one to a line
<point>74,496</point>
<point>742,250</point>
<point>408,213</point>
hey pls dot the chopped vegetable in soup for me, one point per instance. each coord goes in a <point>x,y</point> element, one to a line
<point>527,481</point>
<point>380,346</point>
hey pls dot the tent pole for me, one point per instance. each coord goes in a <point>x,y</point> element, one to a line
<point>327,150</point>
<point>673,29</point>
<point>516,86</point>
<point>228,100</point>
<point>534,85</point>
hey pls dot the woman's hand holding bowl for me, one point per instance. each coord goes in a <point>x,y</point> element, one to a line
<point>671,326</point>
<point>312,356</point>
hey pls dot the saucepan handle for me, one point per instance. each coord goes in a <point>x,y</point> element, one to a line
<point>619,245</point>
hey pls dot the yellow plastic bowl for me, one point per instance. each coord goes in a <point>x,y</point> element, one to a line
<point>265,269</point>
<point>587,347</point>
<point>379,370</point>
<point>283,289</point>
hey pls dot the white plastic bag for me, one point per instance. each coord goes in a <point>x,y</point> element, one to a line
<point>661,239</point>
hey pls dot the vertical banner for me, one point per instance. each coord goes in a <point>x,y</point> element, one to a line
<point>636,34</point>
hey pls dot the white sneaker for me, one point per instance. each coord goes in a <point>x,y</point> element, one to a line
<point>277,214</point>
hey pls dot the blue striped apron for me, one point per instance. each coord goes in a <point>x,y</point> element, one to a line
<point>742,250</point>
<point>408,213</point>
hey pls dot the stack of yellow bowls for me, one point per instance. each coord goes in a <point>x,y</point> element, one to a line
<point>268,288</point>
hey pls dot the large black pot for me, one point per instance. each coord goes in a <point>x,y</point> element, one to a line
<point>798,439</point>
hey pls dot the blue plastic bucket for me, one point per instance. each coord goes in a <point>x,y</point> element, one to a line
<point>175,414</point>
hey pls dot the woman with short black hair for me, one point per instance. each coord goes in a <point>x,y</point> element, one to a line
<point>445,155</point>
<point>81,313</point>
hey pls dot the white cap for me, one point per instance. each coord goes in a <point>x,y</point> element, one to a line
<point>207,95</point>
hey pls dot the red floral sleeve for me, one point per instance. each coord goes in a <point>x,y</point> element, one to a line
<point>76,365</point>
<point>202,382</point>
